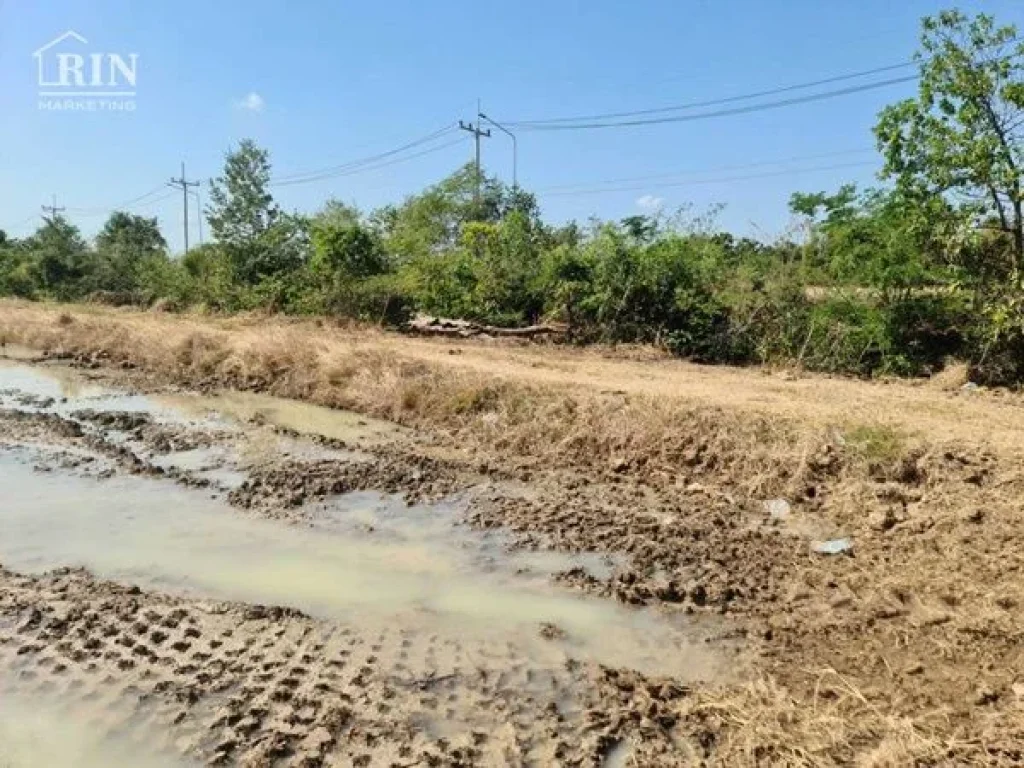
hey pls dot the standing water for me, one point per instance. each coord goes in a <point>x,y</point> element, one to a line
<point>377,557</point>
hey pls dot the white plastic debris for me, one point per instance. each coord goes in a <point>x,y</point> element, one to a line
<point>833,546</point>
<point>777,509</point>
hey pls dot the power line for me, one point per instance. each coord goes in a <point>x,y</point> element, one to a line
<point>515,148</point>
<point>105,211</point>
<point>373,167</point>
<point>121,206</point>
<point>568,188</point>
<point>722,180</point>
<point>20,224</point>
<point>715,102</point>
<point>724,112</point>
<point>583,121</point>
<point>324,173</point>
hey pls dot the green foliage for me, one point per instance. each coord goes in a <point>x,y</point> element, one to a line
<point>347,251</point>
<point>18,276</point>
<point>257,237</point>
<point>886,240</point>
<point>128,249</point>
<point>210,280</point>
<point>60,258</point>
<point>964,133</point>
<point>881,281</point>
<point>876,444</point>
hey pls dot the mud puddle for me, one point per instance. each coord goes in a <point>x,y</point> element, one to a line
<point>44,732</point>
<point>59,389</point>
<point>64,390</point>
<point>427,638</point>
<point>373,557</point>
<point>304,418</point>
<point>363,554</point>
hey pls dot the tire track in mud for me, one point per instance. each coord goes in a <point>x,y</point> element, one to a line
<point>226,683</point>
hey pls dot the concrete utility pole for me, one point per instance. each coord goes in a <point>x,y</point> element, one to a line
<point>515,148</point>
<point>53,210</point>
<point>477,133</point>
<point>184,183</point>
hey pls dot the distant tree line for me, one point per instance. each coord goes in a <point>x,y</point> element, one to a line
<point>893,280</point>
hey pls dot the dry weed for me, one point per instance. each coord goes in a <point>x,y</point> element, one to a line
<point>953,376</point>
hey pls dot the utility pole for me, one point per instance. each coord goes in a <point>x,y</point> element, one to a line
<point>477,133</point>
<point>184,183</point>
<point>53,210</point>
<point>515,148</point>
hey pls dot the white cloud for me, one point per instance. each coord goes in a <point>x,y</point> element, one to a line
<point>650,202</point>
<point>251,102</point>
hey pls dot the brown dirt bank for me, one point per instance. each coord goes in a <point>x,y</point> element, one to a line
<point>908,651</point>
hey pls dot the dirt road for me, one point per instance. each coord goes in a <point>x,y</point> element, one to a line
<point>498,555</point>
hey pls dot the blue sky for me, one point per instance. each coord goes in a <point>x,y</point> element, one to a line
<point>321,83</point>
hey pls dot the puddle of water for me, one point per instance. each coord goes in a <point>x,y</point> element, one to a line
<point>72,391</point>
<point>57,382</point>
<point>211,464</point>
<point>406,562</point>
<point>226,411</point>
<point>37,732</point>
<point>303,418</point>
<point>366,555</point>
<point>18,352</point>
<point>193,460</point>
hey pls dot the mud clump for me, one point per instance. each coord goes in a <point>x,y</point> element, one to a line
<point>125,421</point>
<point>674,558</point>
<point>21,425</point>
<point>293,484</point>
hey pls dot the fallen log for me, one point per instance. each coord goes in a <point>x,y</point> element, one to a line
<point>442,326</point>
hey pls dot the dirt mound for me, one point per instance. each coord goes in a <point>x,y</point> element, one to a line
<point>293,484</point>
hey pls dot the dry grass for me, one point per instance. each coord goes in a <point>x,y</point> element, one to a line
<point>952,377</point>
<point>762,724</point>
<point>660,420</point>
<point>385,372</point>
<point>557,408</point>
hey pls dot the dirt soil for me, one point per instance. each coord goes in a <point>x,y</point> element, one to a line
<point>850,551</point>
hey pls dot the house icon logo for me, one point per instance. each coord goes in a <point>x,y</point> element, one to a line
<point>70,76</point>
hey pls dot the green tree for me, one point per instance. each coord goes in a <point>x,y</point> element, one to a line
<point>62,258</point>
<point>126,243</point>
<point>244,218</point>
<point>964,133</point>
<point>130,232</point>
<point>432,221</point>
<point>18,276</point>
<point>349,251</point>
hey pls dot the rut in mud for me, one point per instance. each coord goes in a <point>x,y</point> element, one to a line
<point>243,592</point>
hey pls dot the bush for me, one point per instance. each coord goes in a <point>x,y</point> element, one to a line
<point>381,299</point>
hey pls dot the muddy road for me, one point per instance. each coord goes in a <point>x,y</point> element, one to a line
<point>239,579</point>
<point>274,541</point>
